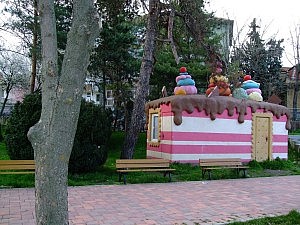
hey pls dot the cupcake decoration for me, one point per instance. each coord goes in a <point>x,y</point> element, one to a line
<point>240,93</point>
<point>185,83</point>
<point>252,89</point>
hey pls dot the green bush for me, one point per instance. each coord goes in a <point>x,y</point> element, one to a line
<point>86,157</point>
<point>91,139</point>
<point>24,116</point>
<point>293,153</point>
<point>254,164</point>
<point>276,164</point>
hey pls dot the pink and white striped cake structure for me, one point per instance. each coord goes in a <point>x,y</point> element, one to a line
<point>194,126</point>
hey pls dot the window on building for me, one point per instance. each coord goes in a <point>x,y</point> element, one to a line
<point>88,87</point>
<point>109,94</point>
<point>109,102</point>
<point>154,127</point>
<point>98,98</point>
<point>109,98</point>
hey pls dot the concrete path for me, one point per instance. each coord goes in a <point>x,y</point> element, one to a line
<point>209,202</point>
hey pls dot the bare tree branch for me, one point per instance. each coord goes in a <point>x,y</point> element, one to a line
<point>170,35</point>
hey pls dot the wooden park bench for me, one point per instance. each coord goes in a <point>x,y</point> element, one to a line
<point>207,165</point>
<point>17,166</point>
<point>125,166</point>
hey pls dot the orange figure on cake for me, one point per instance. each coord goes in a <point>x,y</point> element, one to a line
<point>220,81</point>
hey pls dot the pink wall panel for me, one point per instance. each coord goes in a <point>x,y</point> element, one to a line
<point>206,149</point>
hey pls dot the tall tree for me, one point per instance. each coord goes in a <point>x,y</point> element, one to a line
<point>26,27</point>
<point>52,137</point>
<point>261,60</point>
<point>14,73</point>
<point>195,20</point>
<point>143,84</point>
<point>177,38</point>
<point>295,41</point>
<point>113,60</point>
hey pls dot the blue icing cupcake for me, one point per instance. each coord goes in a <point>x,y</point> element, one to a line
<point>186,82</point>
<point>250,84</point>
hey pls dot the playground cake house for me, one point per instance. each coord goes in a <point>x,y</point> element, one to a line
<point>187,126</point>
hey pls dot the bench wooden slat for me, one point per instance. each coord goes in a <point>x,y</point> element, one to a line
<point>8,166</point>
<point>226,167</point>
<point>146,161</point>
<point>145,170</point>
<point>225,163</point>
<point>17,162</point>
<point>142,160</point>
<point>220,163</point>
<point>17,167</point>
<point>142,165</point>
<point>17,172</point>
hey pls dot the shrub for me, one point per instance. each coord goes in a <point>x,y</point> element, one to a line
<point>276,164</point>
<point>86,157</point>
<point>92,135</point>
<point>293,153</point>
<point>254,164</point>
<point>24,116</point>
<point>91,139</point>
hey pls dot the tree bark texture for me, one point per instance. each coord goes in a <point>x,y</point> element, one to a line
<point>52,137</point>
<point>170,35</point>
<point>142,90</point>
<point>34,47</point>
<point>296,91</point>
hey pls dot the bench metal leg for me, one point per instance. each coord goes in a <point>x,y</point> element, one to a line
<point>169,173</point>
<point>244,171</point>
<point>209,174</point>
<point>203,173</point>
<point>124,177</point>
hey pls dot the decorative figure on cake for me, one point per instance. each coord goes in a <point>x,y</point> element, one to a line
<point>252,89</point>
<point>185,83</point>
<point>239,92</point>
<point>218,81</point>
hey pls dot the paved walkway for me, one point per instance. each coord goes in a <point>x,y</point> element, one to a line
<point>209,202</point>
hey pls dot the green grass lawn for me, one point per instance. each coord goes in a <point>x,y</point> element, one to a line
<point>184,172</point>
<point>293,218</point>
<point>3,152</point>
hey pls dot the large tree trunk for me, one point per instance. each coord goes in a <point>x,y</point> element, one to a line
<point>143,84</point>
<point>52,137</point>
